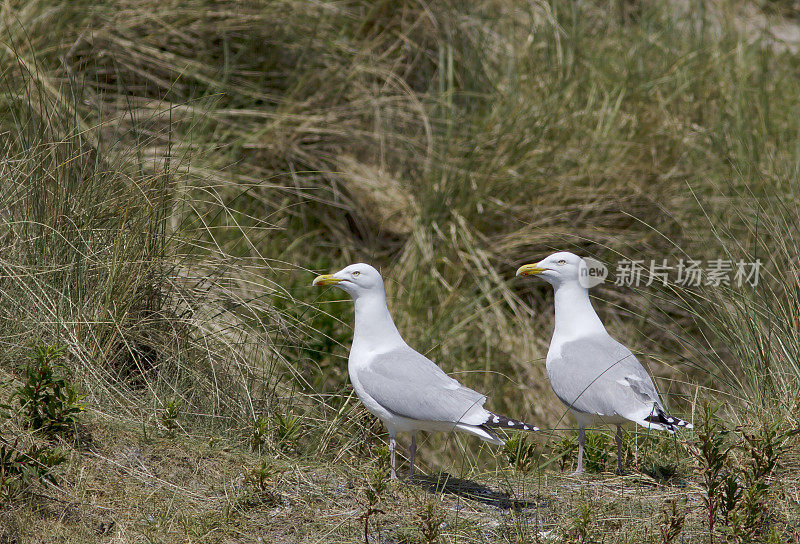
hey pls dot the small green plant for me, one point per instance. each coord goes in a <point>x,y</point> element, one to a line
<point>673,517</point>
<point>286,431</point>
<point>18,468</point>
<point>663,471</point>
<point>731,494</point>
<point>261,475</point>
<point>745,498</point>
<point>264,479</point>
<point>430,519</point>
<point>375,485</point>
<point>281,432</point>
<point>48,401</point>
<point>659,460</point>
<point>169,416</point>
<point>259,433</point>
<point>711,450</point>
<point>736,496</point>
<point>595,455</point>
<point>521,453</point>
<point>580,531</point>
<point>564,450</point>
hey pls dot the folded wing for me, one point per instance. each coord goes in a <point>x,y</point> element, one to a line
<point>410,385</point>
<point>598,375</point>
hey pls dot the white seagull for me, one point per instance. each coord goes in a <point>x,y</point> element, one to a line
<point>593,374</point>
<point>403,388</point>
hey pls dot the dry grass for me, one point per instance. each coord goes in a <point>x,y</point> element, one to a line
<point>175,172</point>
<point>133,488</point>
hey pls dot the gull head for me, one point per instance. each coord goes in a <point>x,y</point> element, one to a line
<point>556,269</point>
<point>356,279</point>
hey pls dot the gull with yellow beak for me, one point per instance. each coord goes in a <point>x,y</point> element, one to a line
<point>403,388</point>
<point>593,374</point>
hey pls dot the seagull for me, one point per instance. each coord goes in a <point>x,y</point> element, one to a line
<point>402,387</point>
<point>593,374</point>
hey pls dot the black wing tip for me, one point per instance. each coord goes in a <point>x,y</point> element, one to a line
<point>671,422</point>
<point>503,422</point>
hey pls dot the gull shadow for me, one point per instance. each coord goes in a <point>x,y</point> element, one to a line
<point>445,483</point>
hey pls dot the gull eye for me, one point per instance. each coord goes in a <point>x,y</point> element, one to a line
<point>562,261</point>
<point>356,273</point>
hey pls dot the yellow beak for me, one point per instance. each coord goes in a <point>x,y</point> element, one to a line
<point>325,279</point>
<point>529,270</point>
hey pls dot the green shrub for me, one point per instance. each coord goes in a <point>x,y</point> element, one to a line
<point>521,453</point>
<point>735,493</point>
<point>673,518</point>
<point>48,401</point>
<point>429,521</point>
<point>564,450</point>
<point>595,456</point>
<point>169,416</point>
<point>20,468</point>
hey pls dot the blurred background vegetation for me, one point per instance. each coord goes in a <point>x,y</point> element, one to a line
<point>174,173</point>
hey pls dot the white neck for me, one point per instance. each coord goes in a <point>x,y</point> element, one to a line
<point>374,329</point>
<point>575,316</point>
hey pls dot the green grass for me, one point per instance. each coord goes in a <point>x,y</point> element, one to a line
<point>173,174</point>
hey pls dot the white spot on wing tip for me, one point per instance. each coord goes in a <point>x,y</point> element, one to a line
<point>496,419</point>
<point>510,423</point>
<point>525,427</point>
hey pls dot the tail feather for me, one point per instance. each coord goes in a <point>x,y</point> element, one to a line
<point>503,422</point>
<point>670,423</point>
<point>481,432</point>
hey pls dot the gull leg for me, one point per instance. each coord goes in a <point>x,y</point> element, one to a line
<point>581,442</point>
<point>412,453</point>
<point>392,457</point>
<point>619,450</point>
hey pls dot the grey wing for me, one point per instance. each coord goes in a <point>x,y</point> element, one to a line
<point>598,375</point>
<point>410,385</point>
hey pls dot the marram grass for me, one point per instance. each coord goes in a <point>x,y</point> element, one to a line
<point>173,174</point>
